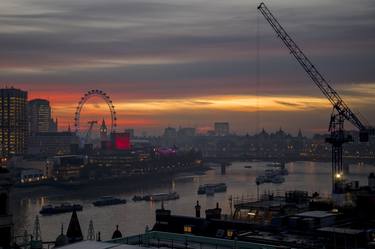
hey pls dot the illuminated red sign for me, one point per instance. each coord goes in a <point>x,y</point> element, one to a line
<point>121,141</point>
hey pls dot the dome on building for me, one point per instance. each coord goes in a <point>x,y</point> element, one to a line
<point>62,239</point>
<point>116,234</point>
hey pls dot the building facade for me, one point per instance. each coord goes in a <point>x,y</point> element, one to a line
<point>13,122</point>
<point>169,136</point>
<point>39,116</point>
<point>186,132</point>
<point>67,167</point>
<point>221,128</point>
<point>51,143</point>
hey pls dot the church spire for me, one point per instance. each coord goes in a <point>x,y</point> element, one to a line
<point>299,133</point>
<point>74,232</point>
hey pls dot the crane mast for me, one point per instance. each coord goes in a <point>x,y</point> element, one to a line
<point>89,131</point>
<point>340,112</point>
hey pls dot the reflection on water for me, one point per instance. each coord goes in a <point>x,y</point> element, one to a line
<point>133,217</point>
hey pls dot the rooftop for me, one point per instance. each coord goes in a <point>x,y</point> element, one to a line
<point>275,202</point>
<point>98,245</point>
<point>341,230</point>
<point>156,239</point>
<point>315,214</point>
<point>174,240</point>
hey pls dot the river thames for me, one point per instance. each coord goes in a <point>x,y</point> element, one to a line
<point>133,217</point>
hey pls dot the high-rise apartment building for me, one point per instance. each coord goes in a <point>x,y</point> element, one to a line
<point>13,122</point>
<point>39,117</point>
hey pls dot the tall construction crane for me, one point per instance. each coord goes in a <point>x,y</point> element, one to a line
<point>340,111</point>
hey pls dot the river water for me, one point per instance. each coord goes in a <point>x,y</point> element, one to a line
<point>133,217</point>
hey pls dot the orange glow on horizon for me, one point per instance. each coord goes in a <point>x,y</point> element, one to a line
<point>144,112</point>
<point>141,111</point>
<point>233,103</point>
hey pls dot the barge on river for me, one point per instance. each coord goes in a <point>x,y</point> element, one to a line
<point>62,208</point>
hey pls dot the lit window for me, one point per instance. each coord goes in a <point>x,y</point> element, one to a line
<point>187,229</point>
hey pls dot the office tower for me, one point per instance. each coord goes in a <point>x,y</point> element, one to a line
<point>39,116</point>
<point>13,122</point>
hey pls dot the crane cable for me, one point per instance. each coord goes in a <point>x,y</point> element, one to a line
<point>257,76</point>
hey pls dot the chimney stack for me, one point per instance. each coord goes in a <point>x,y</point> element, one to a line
<point>198,210</point>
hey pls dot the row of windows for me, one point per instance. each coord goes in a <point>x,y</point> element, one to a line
<point>13,121</point>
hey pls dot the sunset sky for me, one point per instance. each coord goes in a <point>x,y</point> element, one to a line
<point>189,62</point>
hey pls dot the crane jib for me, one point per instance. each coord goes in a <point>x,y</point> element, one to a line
<point>337,102</point>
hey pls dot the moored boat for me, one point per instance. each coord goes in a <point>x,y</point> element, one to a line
<point>201,189</point>
<point>277,179</point>
<point>260,180</point>
<point>283,171</point>
<point>108,200</point>
<point>269,178</point>
<point>271,172</point>
<point>217,188</point>
<point>162,197</point>
<point>274,164</point>
<point>62,208</point>
<point>138,198</point>
<point>210,190</point>
<point>275,172</point>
